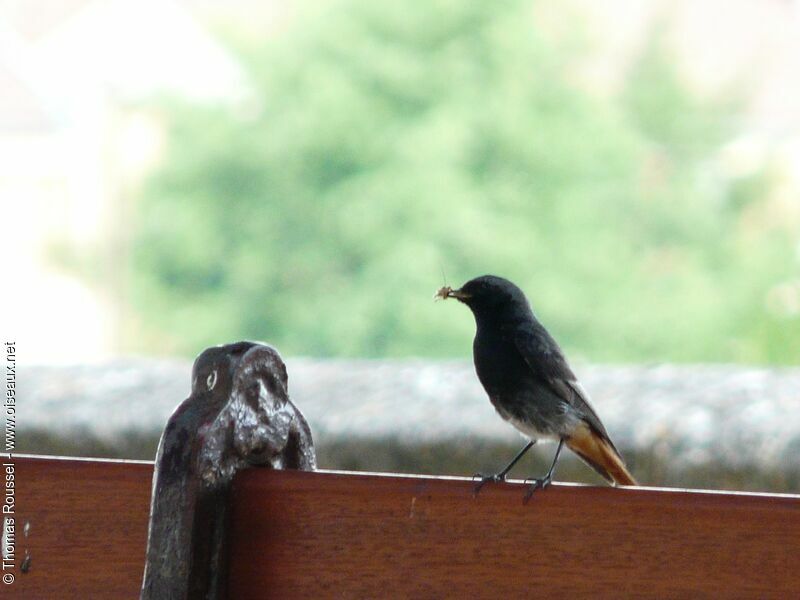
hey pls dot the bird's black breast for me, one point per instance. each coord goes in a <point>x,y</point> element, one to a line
<point>518,394</point>
<point>500,367</point>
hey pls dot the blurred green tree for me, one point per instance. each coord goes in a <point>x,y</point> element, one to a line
<point>386,142</point>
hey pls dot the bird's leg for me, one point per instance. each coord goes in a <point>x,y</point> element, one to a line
<point>501,476</point>
<point>546,480</point>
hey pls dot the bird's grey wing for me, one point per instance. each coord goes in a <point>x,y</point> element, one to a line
<point>547,361</point>
<point>542,353</point>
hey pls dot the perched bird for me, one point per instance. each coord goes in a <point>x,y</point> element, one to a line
<point>529,382</point>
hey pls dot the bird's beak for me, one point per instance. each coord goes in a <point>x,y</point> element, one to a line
<point>447,292</point>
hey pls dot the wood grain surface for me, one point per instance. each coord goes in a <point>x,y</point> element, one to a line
<point>87,528</point>
<point>333,535</point>
<point>307,535</point>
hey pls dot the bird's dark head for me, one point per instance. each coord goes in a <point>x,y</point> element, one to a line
<point>491,297</point>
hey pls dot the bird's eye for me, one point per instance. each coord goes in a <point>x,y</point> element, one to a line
<point>211,380</point>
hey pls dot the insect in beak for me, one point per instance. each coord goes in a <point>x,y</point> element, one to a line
<point>443,293</point>
<point>448,292</point>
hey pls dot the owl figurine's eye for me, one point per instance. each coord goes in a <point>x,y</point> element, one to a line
<point>211,380</point>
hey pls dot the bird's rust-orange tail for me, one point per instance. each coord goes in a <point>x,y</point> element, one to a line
<point>599,454</point>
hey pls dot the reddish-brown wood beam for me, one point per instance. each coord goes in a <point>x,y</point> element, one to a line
<point>316,535</point>
<point>87,527</point>
<point>306,535</point>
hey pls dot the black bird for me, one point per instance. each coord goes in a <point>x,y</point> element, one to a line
<point>529,382</point>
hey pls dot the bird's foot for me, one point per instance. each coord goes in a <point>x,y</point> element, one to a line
<point>484,479</point>
<point>536,484</point>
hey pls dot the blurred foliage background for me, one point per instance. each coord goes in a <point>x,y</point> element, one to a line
<point>384,145</point>
<point>308,173</point>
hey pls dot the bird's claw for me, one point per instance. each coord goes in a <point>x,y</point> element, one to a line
<point>536,484</point>
<point>484,479</point>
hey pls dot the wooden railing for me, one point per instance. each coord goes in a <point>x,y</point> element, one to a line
<point>348,535</point>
